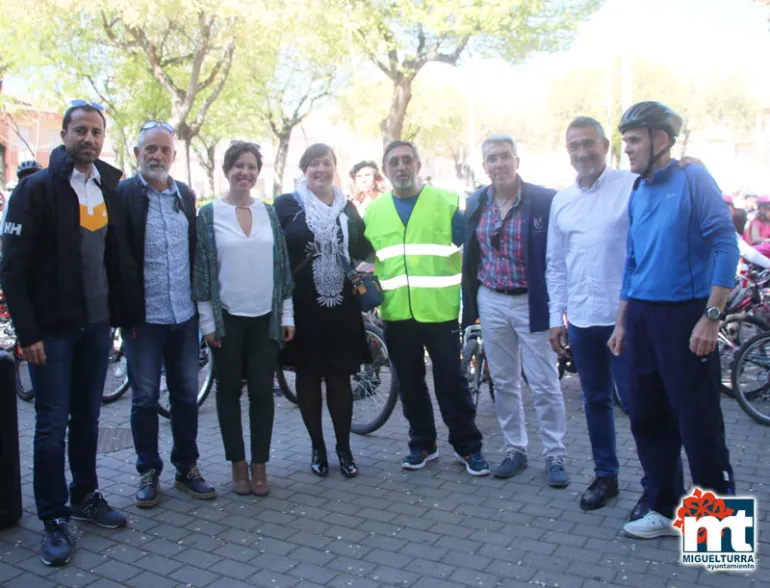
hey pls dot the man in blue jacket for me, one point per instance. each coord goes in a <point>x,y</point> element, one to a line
<point>680,266</point>
<point>504,286</point>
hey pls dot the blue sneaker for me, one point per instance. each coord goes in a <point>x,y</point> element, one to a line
<point>555,473</point>
<point>58,543</point>
<point>417,458</point>
<point>474,463</point>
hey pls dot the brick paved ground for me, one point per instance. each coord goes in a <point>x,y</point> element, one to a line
<point>436,528</point>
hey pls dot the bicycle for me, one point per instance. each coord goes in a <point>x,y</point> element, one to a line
<point>751,378</point>
<point>205,379</point>
<point>375,388</point>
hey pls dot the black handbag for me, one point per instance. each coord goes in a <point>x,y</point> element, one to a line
<point>367,289</point>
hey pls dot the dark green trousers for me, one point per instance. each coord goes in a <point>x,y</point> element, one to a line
<point>246,352</point>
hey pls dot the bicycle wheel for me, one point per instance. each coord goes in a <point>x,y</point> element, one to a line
<point>287,382</point>
<point>116,382</point>
<point>472,367</point>
<point>205,381</point>
<point>751,378</point>
<point>375,389</point>
<point>616,397</point>
<point>23,380</point>
<point>733,333</point>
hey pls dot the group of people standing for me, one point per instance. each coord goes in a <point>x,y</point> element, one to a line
<point>84,251</point>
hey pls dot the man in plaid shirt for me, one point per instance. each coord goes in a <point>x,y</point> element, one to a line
<point>504,286</point>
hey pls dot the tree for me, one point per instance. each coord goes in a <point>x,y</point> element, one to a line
<point>400,37</point>
<point>188,48</point>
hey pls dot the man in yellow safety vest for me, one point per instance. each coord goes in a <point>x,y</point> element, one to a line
<point>416,233</point>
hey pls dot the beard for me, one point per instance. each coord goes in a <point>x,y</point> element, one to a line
<point>155,172</point>
<point>404,184</point>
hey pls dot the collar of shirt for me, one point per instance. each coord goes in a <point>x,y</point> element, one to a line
<point>596,185</point>
<point>491,194</point>
<point>79,176</point>
<point>172,189</point>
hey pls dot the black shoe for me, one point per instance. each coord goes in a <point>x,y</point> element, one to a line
<point>598,493</point>
<point>641,508</point>
<point>319,464</point>
<point>348,465</point>
<point>58,542</point>
<point>193,483</point>
<point>149,486</point>
<point>95,509</point>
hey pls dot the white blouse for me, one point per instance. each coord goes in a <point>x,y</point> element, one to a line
<point>245,267</point>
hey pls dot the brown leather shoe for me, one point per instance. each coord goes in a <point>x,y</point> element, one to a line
<point>259,485</point>
<point>241,478</point>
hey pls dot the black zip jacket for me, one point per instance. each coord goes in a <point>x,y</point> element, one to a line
<point>133,196</point>
<point>42,266</point>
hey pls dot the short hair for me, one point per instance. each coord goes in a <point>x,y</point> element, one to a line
<point>500,138</point>
<point>586,122</point>
<point>739,220</point>
<point>234,152</point>
<point>361,165</point>
<point>315,150</point>
<point>65,123</point>
<point>395,145</point>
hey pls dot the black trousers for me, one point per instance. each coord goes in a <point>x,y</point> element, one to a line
<point>246,352</point>
<point>674,400</point>
<point>407,341</point>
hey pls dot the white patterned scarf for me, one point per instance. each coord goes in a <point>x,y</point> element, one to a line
<point>328,275</point>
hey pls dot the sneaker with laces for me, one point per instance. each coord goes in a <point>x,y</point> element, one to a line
<point>474,463</point>
<point>418,458</point>
<point>149,487</point>
<point>94,509</point>
<point>193,483</point>
<point>514,462</point>
<point>554,470</point>
<point>651,526</point>
<point>58,543</point>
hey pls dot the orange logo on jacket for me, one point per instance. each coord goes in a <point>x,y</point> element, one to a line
<point>95,219</point>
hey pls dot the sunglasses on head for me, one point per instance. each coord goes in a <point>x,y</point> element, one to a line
<point>151,124</point>
<point>239,142</point>
<point>96,105</point>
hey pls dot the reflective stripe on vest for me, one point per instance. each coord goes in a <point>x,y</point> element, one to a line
<point>419,268</point>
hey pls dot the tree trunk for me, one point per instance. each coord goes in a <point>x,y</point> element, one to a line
<point>280,162</point>
<point>3,164</point>
<point>685,140</point>
<point>211,166</point>
<point>187,143</point>
<point>393,126</point>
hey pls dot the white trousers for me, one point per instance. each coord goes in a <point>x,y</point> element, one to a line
<point>508,341</point>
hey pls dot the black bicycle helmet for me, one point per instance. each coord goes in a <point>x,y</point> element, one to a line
<point>27,168</point>
<point>652,116</point>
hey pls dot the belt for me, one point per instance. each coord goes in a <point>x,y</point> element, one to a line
<point>510,291</point>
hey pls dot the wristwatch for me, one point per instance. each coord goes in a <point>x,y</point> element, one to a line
<point>713,313</point>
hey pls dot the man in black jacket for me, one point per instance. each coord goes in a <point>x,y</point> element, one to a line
<point>60,275</point>
<point>158,314</point>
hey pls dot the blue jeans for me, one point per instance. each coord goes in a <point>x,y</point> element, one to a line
<point>597,368</point>
<point>148,347</point>
<point>68,390</point>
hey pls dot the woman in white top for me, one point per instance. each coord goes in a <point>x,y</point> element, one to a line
<point>243,287</point>
<point>748,253</point>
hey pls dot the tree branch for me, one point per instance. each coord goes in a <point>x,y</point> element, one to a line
<point>228,62</point>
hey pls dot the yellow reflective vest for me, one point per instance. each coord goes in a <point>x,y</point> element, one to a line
<point>418,266</point>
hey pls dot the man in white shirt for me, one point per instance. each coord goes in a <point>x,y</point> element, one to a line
<point>586,252</point>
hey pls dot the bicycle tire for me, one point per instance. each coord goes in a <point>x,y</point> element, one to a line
<point>616,398</point>
<point>741,395</point>
<point>286,389</point>
<point>206,362</point>
<point>375,335</point>
<point>24,392</point>
<point>728,361</point>
<point>471,367</point>
<point>117,356</point>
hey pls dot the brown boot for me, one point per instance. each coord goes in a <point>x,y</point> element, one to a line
<point>241,478</point>
<point>259,485</point>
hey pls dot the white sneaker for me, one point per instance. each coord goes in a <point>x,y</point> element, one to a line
<point>651,526</point>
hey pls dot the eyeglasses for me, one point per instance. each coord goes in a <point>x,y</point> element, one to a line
<point>495,239</point>
<point>236,142</point>
<point>95,105</point>
<point>405,159</point>
<point>151,124</point>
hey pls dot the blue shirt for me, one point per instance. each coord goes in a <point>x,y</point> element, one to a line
<point>167,286</point>
<point>405,206</point>
<point>681,241</point>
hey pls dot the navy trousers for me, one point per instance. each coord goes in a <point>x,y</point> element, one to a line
<point>674,400</point>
